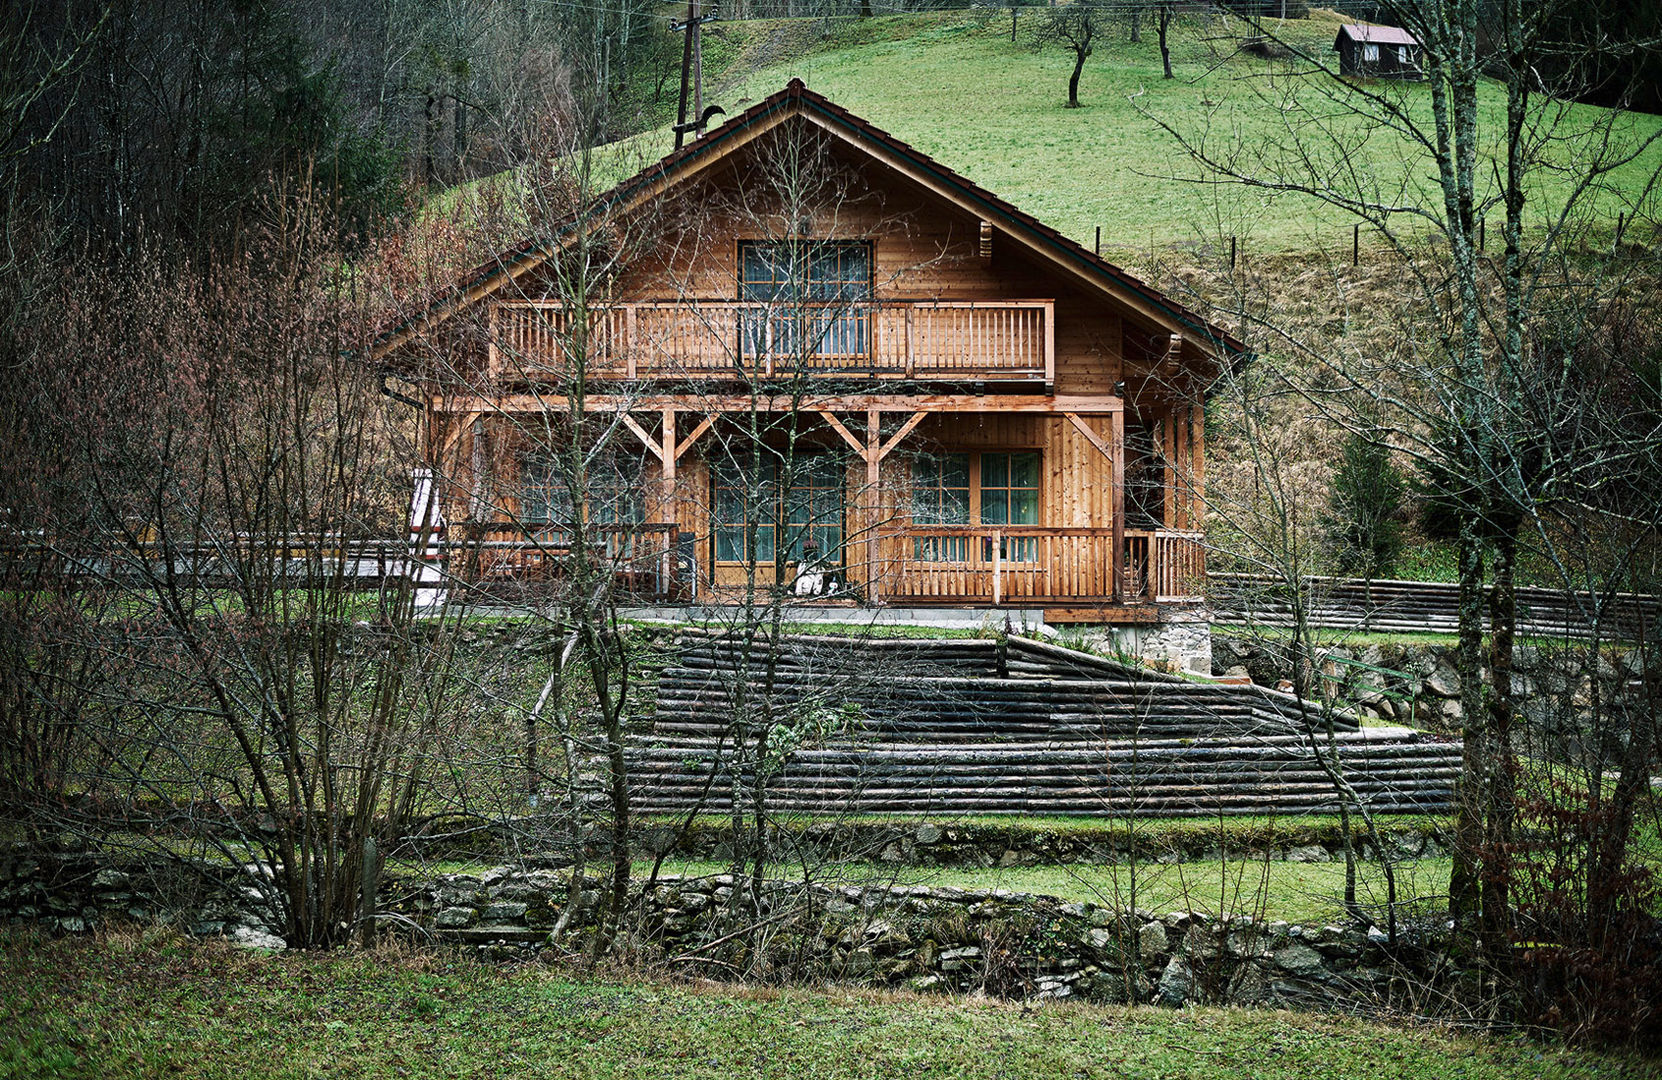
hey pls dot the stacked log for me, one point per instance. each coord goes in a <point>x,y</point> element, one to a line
<point>882,726</point>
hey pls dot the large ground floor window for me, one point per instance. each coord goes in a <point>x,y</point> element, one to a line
<point>983,487</point>
<point>761,506</point>
<point>614,501</point>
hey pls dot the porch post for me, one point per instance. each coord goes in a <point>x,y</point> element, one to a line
<point>1116,562</point>
<point>869,505</point>
<point>667,457</point>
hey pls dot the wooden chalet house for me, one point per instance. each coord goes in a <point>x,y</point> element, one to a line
<point>823,362</point>
<point>1378,52</point>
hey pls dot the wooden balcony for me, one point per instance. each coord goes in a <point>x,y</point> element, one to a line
<point>926,340</point>
<point>1021,564</point>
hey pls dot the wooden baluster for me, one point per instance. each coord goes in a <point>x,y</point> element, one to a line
<point>998,568</point>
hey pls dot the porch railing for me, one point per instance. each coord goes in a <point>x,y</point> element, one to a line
<point>496,556</point>
<point>1020,563</point>
<point>931,340</point>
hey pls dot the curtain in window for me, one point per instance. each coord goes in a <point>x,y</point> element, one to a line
<point>614,494</point>
<point>941,496</point>
<point>810,297</point>
<point>810,508</point>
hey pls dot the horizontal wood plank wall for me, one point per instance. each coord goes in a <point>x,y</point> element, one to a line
<point>923,250</point>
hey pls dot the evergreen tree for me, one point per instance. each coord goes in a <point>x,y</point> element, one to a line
<point>1366,496</point>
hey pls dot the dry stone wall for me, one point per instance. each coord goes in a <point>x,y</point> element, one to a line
<point>1419,685</point>
<point>923,938</point>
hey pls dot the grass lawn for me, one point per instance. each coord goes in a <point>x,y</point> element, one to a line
<point>1295,892</point>
<point>954,85</point>
<point>157,1006</point>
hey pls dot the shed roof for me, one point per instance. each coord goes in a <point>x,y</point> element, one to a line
<point>1376,35</point>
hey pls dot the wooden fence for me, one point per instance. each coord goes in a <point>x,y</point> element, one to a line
<point>1397,606</point>
<point>936,339</point>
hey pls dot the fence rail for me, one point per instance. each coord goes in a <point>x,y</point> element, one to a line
<point>1392,605</point>
<point>1019,563</point>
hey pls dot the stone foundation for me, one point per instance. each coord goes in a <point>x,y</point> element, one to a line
<point>1181,641</point>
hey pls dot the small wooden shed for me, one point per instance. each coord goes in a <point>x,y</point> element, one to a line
<point>1378,52</point>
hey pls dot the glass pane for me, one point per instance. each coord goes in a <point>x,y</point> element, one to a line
<point>1024,507</point>
<point>995,508</point>
<point>745,501</point>
<point>543,493</point>
<point>1024,470</point>
<point>995,470</point>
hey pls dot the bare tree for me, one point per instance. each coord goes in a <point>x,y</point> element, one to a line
<point>1463,391</point>
<point>1074,27</point>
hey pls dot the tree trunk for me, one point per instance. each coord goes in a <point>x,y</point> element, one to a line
<point>1073,80</point>
<point>1165,46</point>
<point>1464,898</point>
<point>1501,780</point>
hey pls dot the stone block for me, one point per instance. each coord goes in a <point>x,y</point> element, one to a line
<point>456,917</point>
<point>503,911</point>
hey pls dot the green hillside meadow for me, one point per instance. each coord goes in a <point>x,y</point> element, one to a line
<point>954,85</point>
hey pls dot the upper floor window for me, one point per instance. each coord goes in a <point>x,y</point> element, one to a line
<point>810,294</point>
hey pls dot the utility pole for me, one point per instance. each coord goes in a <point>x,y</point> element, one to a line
<point>692,69</point>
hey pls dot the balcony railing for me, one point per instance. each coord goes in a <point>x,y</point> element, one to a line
<point>928,340</point>
<point>1035,563</point>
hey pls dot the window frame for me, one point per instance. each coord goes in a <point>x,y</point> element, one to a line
<point>955,550</point>
<point>780,527</point>
<point>836,311</point>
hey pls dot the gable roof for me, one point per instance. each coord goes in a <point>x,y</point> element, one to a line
<point>1375,35</point>
<point>796,100</point>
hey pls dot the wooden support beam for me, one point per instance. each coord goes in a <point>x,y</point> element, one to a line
<point>1091,436</point>
<point>905,430</point>
<point>869,504</point>
<point>462,428</point>
<point>1085,405</point>
<point>640,433</point>
<point>848,436</point>
<point>1168,460</point>
<point>668,455</point>
<point>1116,554</point>
<point>687,443</point>
<point>1197,474</point>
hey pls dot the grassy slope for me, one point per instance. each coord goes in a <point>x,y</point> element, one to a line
<point>157,1006</point>
<point>954,85</point>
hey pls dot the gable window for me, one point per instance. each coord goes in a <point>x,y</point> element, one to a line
<point>989,488</point>
<point>810,297</point>
<point>756,513</point>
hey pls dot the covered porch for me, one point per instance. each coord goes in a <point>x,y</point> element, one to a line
<point>998,501</point>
